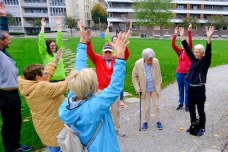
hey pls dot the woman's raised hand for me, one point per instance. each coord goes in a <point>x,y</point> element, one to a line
<point>120,45</point>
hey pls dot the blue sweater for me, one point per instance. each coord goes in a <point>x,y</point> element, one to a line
<point>86,118</point>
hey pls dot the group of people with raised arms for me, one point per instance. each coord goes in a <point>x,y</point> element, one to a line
<point>94,95</point>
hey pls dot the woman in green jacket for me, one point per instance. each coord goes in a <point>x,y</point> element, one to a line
<point>48,49</point>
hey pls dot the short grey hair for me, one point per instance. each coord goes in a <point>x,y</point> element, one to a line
<point>148,53</point>
<point>2,34</point>
<point>200,47</point>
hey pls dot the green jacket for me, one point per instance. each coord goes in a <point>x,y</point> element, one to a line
<point>47,58</point>
<point>108,39</point>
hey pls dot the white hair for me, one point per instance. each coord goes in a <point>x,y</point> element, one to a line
<point>84,84</point>
<point>200,47</point>
<point>148,53</point>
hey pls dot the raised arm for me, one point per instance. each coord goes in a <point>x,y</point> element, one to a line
<point>41,43</point>
<point>59,36</point>
<point>190,35</point>
<point>185,44</point>
<point>91,54</point>
<point>208,53</point>
<point>111,93</point>
<point>130,29</point>
<point>174,46</point>
<point>3,19</point>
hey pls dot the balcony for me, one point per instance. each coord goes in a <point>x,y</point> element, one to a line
<point>33,5</point>
<point>120,9</point>
<point>35,15</point>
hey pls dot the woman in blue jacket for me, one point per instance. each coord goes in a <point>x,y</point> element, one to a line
<point>85,111</point>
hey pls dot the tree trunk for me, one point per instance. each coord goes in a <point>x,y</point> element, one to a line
<point>71,31</point>
<point>161,30</point>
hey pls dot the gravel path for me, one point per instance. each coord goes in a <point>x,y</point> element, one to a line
<point>171,138</point>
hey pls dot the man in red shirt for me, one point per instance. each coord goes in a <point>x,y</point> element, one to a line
<point>104,69</point>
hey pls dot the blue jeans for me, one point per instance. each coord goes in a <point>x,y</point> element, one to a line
<point>121,95</point>
<point>54,149</point>
<point>183,88</point>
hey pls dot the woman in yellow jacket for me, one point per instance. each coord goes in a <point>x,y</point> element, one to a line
<point>44,99</point>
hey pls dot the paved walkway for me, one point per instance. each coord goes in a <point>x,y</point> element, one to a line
<point>172,138</point>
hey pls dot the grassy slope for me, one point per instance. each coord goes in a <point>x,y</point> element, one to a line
<point>25,52</point>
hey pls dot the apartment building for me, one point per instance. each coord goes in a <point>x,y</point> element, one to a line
<point>120,12</point>
<point>25,11</point>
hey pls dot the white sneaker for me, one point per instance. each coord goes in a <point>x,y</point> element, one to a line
<point>120,133</point>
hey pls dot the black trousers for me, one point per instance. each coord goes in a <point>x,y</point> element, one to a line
<point>197,97</point>
<point>10,106</point>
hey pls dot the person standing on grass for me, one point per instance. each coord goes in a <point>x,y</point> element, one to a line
<point>49,48</point>
<point>147,79</point>
<point>44,99</point>
<point>182,69</point>
<point>197,76</point>
<point>104,68</point>
<point>84,110</point>
<point>113,40</point>
<point>10,102</point>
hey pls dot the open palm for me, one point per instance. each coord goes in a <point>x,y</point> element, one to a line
<point>58,20</point>
<point>210,31</point>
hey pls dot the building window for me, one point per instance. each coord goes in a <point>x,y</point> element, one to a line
<point>224,28</point>
<point>122,5</point>
<point>181,15</point>
<point>134,27</point>
<point>122,16</point>
<point>207,7</point>
<point>142,27</point>
<point>225,8</point>
<point>110,14</point>
<point>180,7</point>
<point>194,7</point>
<point>122,26</point>
<point>216,8</point>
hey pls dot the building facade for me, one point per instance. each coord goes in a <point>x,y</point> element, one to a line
<point>26,11</point>
<point>120,12</point>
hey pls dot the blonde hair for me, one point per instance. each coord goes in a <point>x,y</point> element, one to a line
<point>84,84</point>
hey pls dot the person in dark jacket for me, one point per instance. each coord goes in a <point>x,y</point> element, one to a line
<point>197,76</point>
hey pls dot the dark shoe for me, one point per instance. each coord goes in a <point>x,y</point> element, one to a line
<point>188,130</point>
<point>201,132</point>
<point>180,106</point>
<point>145,126</point>
<point>159,125</point>
<point>186,108</point>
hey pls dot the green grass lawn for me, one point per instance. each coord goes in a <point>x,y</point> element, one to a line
<point>25,52</point>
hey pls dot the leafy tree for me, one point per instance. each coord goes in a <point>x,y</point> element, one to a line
<point>36,23</point>
<point>217,21</point>
<point>99,14</point>
<point>70,21</point>
<point>153,13</point>
<point>186,21</point>
<point>11,19</point>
